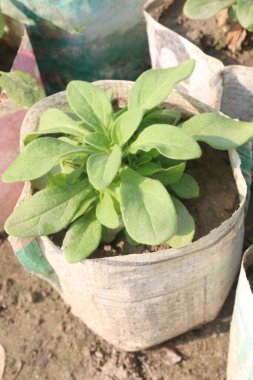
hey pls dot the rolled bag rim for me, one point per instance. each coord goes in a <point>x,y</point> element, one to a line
<point>149,258</point>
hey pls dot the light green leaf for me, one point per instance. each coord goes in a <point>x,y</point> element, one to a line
<point>187,187</point>
<point>98,140</point>
<point>154,85</point>
<point>56,121</point>
<point>165,175</point>
<point>21,87</point>
<point>38,157</point>
<point>47,211</point>
<point>202,9</point>
<point>90,103</point>
<point>185,226</point>
<point>218,131</point>
<point>163,116</point>
<point>244,11</point>
<point>147,210</point>
<point>125,125</point>
<point>103,167</point>
<point>106,213</point>
<point>82,238</point>
<point>168,140</point>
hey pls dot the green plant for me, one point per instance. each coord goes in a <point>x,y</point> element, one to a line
<point>241,10</point>
<point>104,170</point>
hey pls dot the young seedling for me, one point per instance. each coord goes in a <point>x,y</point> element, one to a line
<point>101,170</point>
<point>241,10</point>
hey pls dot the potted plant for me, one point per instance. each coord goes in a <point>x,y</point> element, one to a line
<point>105,176</point>
<point>240,355</point>
<point>18,91</point>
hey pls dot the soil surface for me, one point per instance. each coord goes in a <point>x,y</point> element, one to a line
<point>209,35</point>
<point>44,341</point>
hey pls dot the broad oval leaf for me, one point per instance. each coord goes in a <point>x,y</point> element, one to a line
<point>90,103</point>
<point>38,157</point>
<point>106,212</point>
<point>99,140</point>
<point>47,211</point>
<point>185,226</point>
<point>56,121</point>
<point>125,125</point>
<point>187,187</point>
<point>168,140</point>
<point>147,209</point>
<point>103,167</point>
<point>244,11</point>
<point>165,175</point>
<point>163,116</point>
<point>21,87</point>
<point>202,9</point>
<point>82,238</point>
<point>154,85</point>
<point>218,131</point>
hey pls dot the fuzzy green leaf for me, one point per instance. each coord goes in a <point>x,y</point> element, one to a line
<point>185,226</point>
<point>187,187</point>
<point>38,157</point>
<point>244,11</point>
<point>163,116</point>
<point>147,210</point>
<point>56,121</point>
<point>125,125</point>
<point>47,211</point>
<point>90,103</point>
<point>103,167</point>
<point>106,213</point>
<point>202,9</point>
<point>82,238</point>
<point>168,140</point>
<point>99,140</point>
<point>154,85</point>
<point>218,131</point>
<point>21,87</point>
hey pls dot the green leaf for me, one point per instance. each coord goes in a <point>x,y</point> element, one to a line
<point>82,238</point>
<point>106,213</point>
<point>218,131</point>
<point>147,210</point>
<point>154,85</point>
<point>187,187</point>
<point>38,157</point>
<point>185,226</point>
<point>164,116</point>
<point>1,24</point>
<point>125,125</point>
<point>21,87</point>
<point>98,140</point>
<point>168,140</point>
<point>170,175</point>
<point>47,211</point>
<point>202,9</point>
<point>244,11</point>
<point>90,103</point>
<point>56,121</point>
<point>103,167</point>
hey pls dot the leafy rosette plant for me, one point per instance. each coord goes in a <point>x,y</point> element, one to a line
<point>240,10</point>
<point>102,170</point>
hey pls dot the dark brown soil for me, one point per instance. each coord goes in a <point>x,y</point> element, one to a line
<point>207,34</point>
<point>44,341</point>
